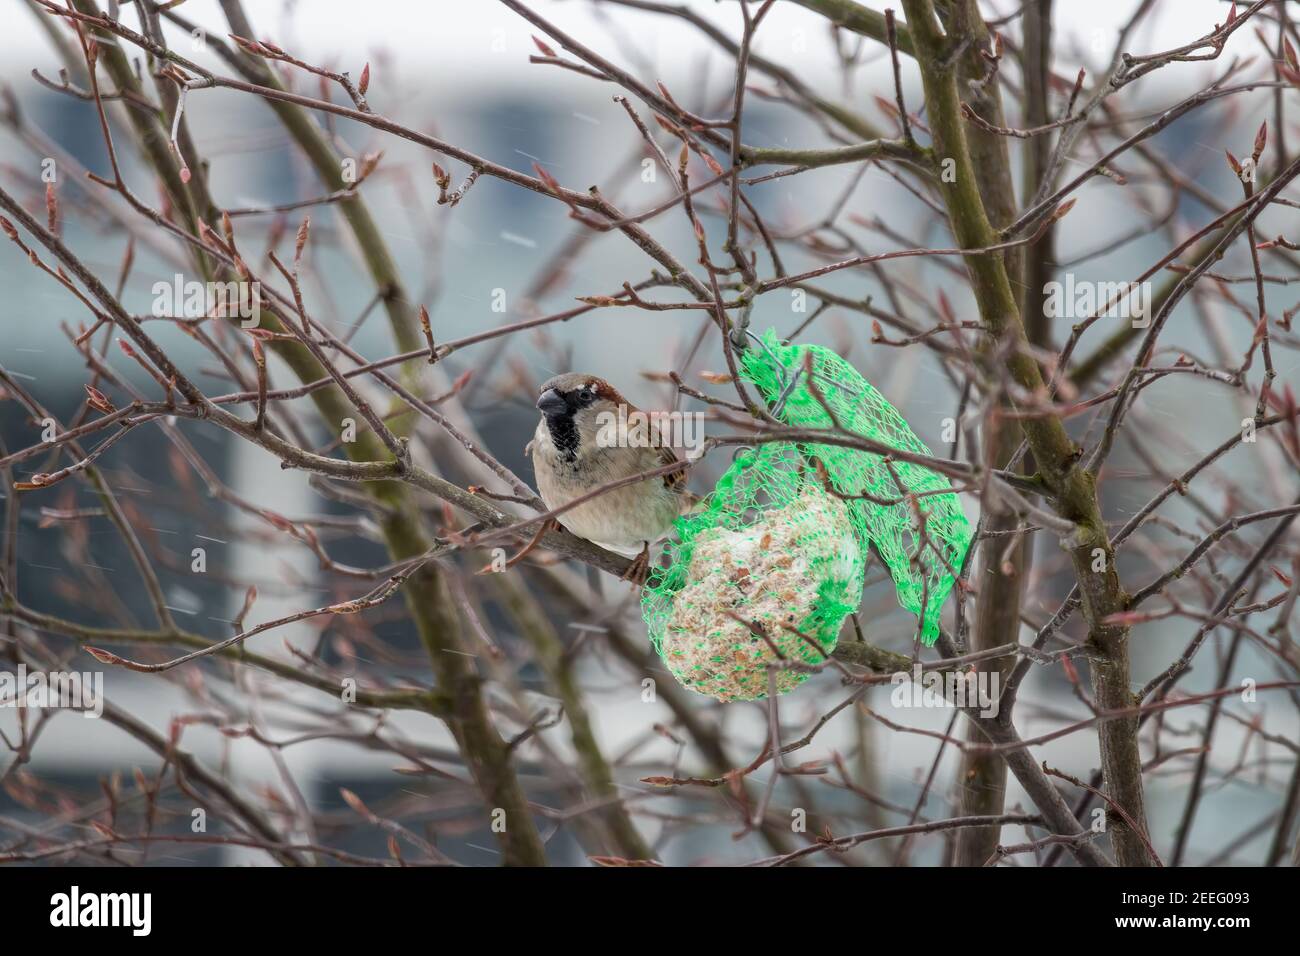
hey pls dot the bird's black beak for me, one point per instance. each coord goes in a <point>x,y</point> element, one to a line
<point>552,403</point>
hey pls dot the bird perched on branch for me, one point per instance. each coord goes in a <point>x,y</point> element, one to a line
<point>589,442</point>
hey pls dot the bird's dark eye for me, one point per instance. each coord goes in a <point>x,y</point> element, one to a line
<point>586,396</point>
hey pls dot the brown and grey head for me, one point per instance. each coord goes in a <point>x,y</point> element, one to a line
<point>574,406</point>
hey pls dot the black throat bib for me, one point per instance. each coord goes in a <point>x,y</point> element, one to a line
<point>564,435</point>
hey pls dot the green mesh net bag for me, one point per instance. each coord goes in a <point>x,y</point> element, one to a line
<point>769,565</point>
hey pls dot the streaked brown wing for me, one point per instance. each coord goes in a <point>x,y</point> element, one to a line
<point>674,479</point>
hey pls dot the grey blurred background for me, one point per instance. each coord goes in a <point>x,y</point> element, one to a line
<point>459,70</point>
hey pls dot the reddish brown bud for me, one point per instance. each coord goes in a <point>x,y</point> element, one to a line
<point>1071,674</point>
<point>302,238</point>
<point>104,657</point>
<point>1064,208</point>
<point>671,127</point>
<point>368,163</point>
<point>51,208</point>
<point>352,800</point>
<point>98,400</point>
<point>551,183</point>
<point>1124,619</point>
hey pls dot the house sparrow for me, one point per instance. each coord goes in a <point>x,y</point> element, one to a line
<point>583,444</point>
